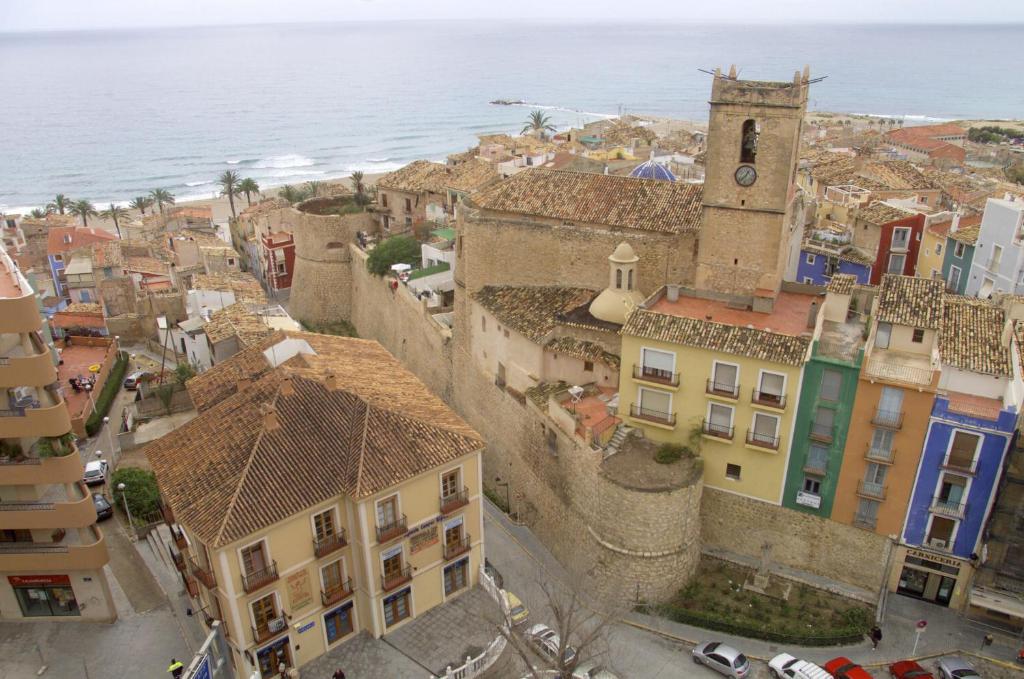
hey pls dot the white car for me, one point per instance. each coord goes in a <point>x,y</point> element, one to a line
<point>546,642</point>
<point>591,669</point>
<point>785,666</point>
<point>95,473</point>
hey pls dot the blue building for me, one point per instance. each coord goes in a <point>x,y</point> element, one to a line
<point>970,430</point>
<point>819,262</point>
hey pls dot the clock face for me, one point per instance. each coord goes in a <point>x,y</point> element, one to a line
<point>745,175</point>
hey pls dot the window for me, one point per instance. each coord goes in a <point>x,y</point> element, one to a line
<point>938,248</point>
<point>658,365</point>
<point>396,607</point>
<point>455,576</point>
<point>881,444</point>
<point>732,471</point>
<point>654,403</point>
<point>812,485</point>
<point>387,223</point>
<point>500,379</point>
<point>387,512</point>
<point>588,366</point>
<point>808,280</point>
<point>719,422</point>
<point>408,221</point>
<point>264,610</point>
<point>618,278</point>
<point>392,569</point>
<point>810,259</point>
<point>323,525</point>
<point>891,402</point>
<point>748,142</point>
<point>450,485</point>
<point>725,379</point>
<point>959,249</point>
<point>231,261</point>
<point>867,513</point>
<point>254,559</point>
<point>831,266</point>
<point>44,595</point>
<point>952,490</point>
<point>940,534</point>
<point>333,577</point>
<point>629,280</point>
<point>505,332</point>
<point>996,258</point>
<point>831,382</point>
<point>897,262</point>
<point>408,205</point>
<point>765,430</point>
<point>817,459</point>
<point>483,323</point>
<point>772,389</point>
<point>900,238</point>
<point>962,450</point>
<point>821,428</point>
<point>882,335</point>
<point>338,623</point>
<point>383,200</point>
<point>954,279</point>
<point>281,268</point>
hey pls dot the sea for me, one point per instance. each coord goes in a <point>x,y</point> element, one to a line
<point>108,115</point>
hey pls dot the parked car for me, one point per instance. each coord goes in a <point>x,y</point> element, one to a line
<point>136,378</point>
<point>590,669</point>
<point>908,669</point>
<point>95,473</point>
<point>546,642</point>
<point>103,508</point>
<point>517,612</point>
<point>785,665</point>
<point>722,659</point>
<point>956,667</point>
<point>844,668</point>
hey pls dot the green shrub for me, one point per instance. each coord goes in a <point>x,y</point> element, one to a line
<point>720,621</point>
<point>106,397</point>
<point>140,490</point>
<point>668,453</point>
<point>55,446</point>
<point>394,250</point>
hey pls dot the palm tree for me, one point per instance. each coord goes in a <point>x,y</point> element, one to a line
<point>38,213</point>
<point>539,122</point>
<point>84,209</point>
<point>357,182</point>
<point>140,203</point>
<point>115,213</point>
<point>161,197</point>
<point>291,193</point>
<point>60,204</point>
<point>229,187</point>
<point>248,186</point>
<point>313,188</point>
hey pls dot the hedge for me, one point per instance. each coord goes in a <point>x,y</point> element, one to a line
<point>106,397</point>
<point>850,635</point>
<point>140,491</point>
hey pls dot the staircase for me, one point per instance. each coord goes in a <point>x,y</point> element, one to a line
<point>618,438</point>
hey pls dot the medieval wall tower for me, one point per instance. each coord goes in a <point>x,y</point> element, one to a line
<point>753,146</point>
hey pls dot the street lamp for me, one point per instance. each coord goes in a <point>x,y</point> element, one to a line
<point>110,440</point>
<point>124,498</point>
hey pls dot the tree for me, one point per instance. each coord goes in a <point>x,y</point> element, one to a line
<point>361,198</point>
<point>394,250</point>
<point>161,197</point>
<point>60,204</point>
<point>116,214</point>
<point>140,203</point>
<point>140,492</point>
<point>539,122</point>
<point>313,188</point>
<point>38,213</point>
<point>229,187</point>
<point>83,209</point>
<point>183,372</point>
<point>248,186</point>
<point>292,194</point>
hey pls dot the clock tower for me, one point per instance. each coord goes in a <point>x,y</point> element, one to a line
<point>753,145</point>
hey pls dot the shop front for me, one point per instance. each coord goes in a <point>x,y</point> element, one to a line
<point>274,658</point>
<point>938,578</point>
<point>44,596</point>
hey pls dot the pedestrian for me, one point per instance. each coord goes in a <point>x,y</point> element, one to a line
<point>339,675</point>
<point>876,636</point>
<point>176,669</point>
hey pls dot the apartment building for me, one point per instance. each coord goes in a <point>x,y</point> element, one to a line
<point>51,551</point>
<point>321,491</point>
<point>998,261</point>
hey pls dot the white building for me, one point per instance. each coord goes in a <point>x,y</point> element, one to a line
<point>998,264</point>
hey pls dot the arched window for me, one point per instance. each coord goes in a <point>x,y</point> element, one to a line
<point>748,142</point>
<point>629,280</point>
<point>618,279</point>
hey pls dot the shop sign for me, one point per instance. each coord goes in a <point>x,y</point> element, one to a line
<point>38,580</point>
<point>423,538</point>
<point>308,626</point>
<point>930,556</point>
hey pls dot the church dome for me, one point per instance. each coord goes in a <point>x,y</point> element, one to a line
<point>652,170</point>
<point>624,254</point>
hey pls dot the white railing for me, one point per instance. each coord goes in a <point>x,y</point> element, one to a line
<point>474,666</point>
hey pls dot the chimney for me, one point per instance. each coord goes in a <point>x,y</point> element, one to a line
<point>812,315</point>
<point>286,387</point>
<point>672,293</point>
<point>956,222</point>
<point>331,382</point>
<point>270,420</point>
<point>732,71</point>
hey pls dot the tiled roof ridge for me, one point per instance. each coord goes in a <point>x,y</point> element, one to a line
<point>362,448</point>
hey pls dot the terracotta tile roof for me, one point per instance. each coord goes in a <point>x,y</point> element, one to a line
<point>266,205</point>
<point>422,176</point>
<point>80,237</point>
<point>899,174</point>
<point>540,393</point>
<point>730,339</point>
<point>912,301</point>
<point>236,320</point>
<point>583,350</point>
<point>245,287</point>
<point>879,213</point>
<point>83,308</point>
<point>227,475</point>
<point>1018,333</point>
<point>967,234</point>
<point>531,311</point>
<point>625,202</point>
<point>147,265</point>
<point>848,253</point>
<point>926,136</point>
<point>836,169</point>
<point>107,254</point>
<point>468,176</point>
<point>842,283</point>
<point>971,338</point>
<point>221,381</point>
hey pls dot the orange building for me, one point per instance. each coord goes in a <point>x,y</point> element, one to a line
<point>898,381</point>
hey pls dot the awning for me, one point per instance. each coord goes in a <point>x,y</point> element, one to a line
<point>1001,602</point>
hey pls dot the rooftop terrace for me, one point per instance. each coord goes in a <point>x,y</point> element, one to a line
<point>789,316</point>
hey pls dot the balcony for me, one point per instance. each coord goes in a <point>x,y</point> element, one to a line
<point>900,366</point>
<point>179,538</point>
<point>17,314</point>
<point>455,501</point>
<point>875,491</point>
<point>203,575</point>
<point>457,547</point>
<point>818,467</point>
<point>890,419</point>
<point>948,508</point>
<point>22,367</point>
<point>389,531</point>
<point>167,513</point>
<point>53,510</point>
<point>335,593</point>
<point>865,521</point>
<point>179,560</point>
<point>719,431</point>
<point>191,585</point>
<point>723,389</point>
<point>960,463</point>
<point>30,471</point>
<point>879,455</point>
<point>763,398</point>
<point>271,629</point>
<point>70,552</point>
<point>760,440</point>
<point>822,433</point>
<point>390,581</point>
<point>259,578</point>
<point>655,416</point>
<point>53,421</point>
<point>655,375</point>
<point>331,543</point>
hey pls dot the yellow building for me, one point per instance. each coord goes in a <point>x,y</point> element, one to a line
<point>696,369</point>
<point>321,491</point>
<point>932,252</point>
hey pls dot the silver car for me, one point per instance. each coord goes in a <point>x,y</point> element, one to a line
<point>591,669</point>
<point>722,659</point>
<point>956,668</point>
<point>546,642</point>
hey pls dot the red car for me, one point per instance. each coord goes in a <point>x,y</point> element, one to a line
<point>908,669</point>
<point>844,668</point>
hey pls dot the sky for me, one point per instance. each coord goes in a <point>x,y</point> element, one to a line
<point>45,15</point>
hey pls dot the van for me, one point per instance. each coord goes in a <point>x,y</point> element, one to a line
<point>785,666</point>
